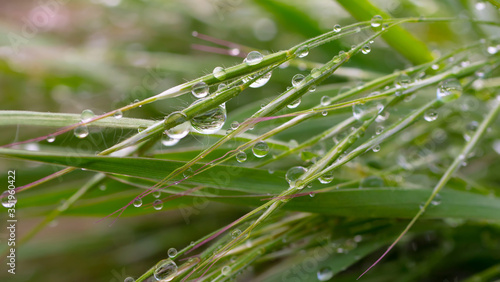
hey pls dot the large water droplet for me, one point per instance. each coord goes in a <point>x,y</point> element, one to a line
<point>325,274</point>
<point>118,114</point>
<point>219,73</point>
<point>157,205</point>
<point>253,58</point>
<point>302,51</point>
<point>181,129</point>
<point>81,131</point>
<point>172,252</point>
<point>293,174</point>
<point>337,28</point>
<point>168,141</point>
<point>165,270</point>
<point>260,149</point>
<point>449,90</point>
<point>87,115</point>
<point>376,21</point>
<point>298,79</point>
<point>210,121</point>
<point>260,81</point>
<point>200,90</point>
<point>326,178</point>
<point>137,202</point>
<point>294,104</point>
<point>431,115</point>
<point>241,156</point>
<point>8,199</point>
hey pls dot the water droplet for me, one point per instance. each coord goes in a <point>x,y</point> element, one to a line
<point>326,178</point>
<point>219,73</point>
<point>156,194</point>
<point>437,200</point>
<point>221,86</point>
<point>253,58</point>
<point>379,130</point>
<point>260,149</point>
<point>431,115</point>
<point>315,73</point>
<point>294,104</point>
<point>359,111</point>
<point>366,49</point>
<point>241,156</point>
<point>129,279</point>
<point>324,113</point>
<point>298,79</point>
<point>470,129</point>
<point>87,115</point>
<point>200,90</point>
<point>51,138</point>
<point>235,233</point>
<point>165,270</point>
<point>181,129</point>
<point>376,148</point>
<point>260,81</point>
<point>81,131</point>
<point>496,146</point>
<point>210,121</point>
<point>157,205</point>
<point>376,21</point>
<point>8,200</point>
<point>402,81</point>
<point>226,270</point>
<point>188,172</point>
<point>234,125</point>
<point>337,28</point>
<point>312,88</point>
<point>302,52</point>
<point>449,90</point>
<point>172,252</point>
<point>293,174</point>
<point>118,115</point>
<point>325,274</point>
<point>137,202</point>
<point>168,141</point>
<point>325,101</point>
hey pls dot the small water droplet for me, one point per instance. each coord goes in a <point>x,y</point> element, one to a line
<point>221,86</point>
<point>102,187</point>
<point>188,172</point>
<point>431,115</point>
<point>157,205</point>
<point>235,125</point>
<point>51,138</point>
<point>293,174</point>
<point>165,270</point>
<point>200,90</point>
<point>325,274</point>
<point>156,194</point>
<point>253,58</point>
<point>235,233</point>
<point>168,141</point>
<point>437,200</point>
<point>298,79</point>
<point>379,130</point>
<point>376,21</point>
<point>324,113</point>
<point>315,73</point>
<point>449,90</point>
<point>8,200</point>
<point>325,101</point>
<point>376,148</point>
<point>129,279</point>
<point>326,178</point>
<point>359,111</point>
<point>302,52</point>
<point>137,202</point>
<point>337,28</point>
<point>181,129</point>
<point>260,149</point>
<point>219,73</point>
<point>87,115</point>
<point>402,81</point>
<point>118,114</point>
<point>172,252</point>
<point>470,129</point>
<point>241,156</point>
<point>210,121</point>
<point>366,49</point>
<point>81,131</point>
<point>294,104</point>
<point>312,88</point>
<point>226,270</point>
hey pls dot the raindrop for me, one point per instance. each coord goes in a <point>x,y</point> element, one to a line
<point>8,200</point>
<point>402,81</point>
<point>337,28</point>
<point>221,86</point>
<point>379,130</point>
<point>157,205</point>
<point>137,202</point>
<point>376,21</point>
<point>253,58</point>
<point>226,270</point>
<point>326,178</point>
<point>219,73</point>
<point>302,52</point>
<point>51,138</point>
<point>293,174</point>
<point>312,88</point>
<point>358,111</point>
<point>325,274</point>
<point>431,115</point>
<point>87,115</point>
<point>241,156</point>
<point>260,149</point>
<point>366,49</point>
<point>235,233</point>
<point>168,141</point>
<point>449,90</point>
<point>294,104</point>
<point>376,148</point>
<point>324,113</point>
<point>325,101</point>
<point>118,114</point>
<point>129,279</point>
<point>181,129</point>
<point>210,121</point>
<point>200,90</point>
<point>81,131</point>
<point>437,200</point>
<point>234,125</point>
<point>141,128</point>
<point>298,79</point>
<point>165,270</point>
<point>188,172</point>
<point>156,194</point>
<point>312,194</point>
<point>172,252</point>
